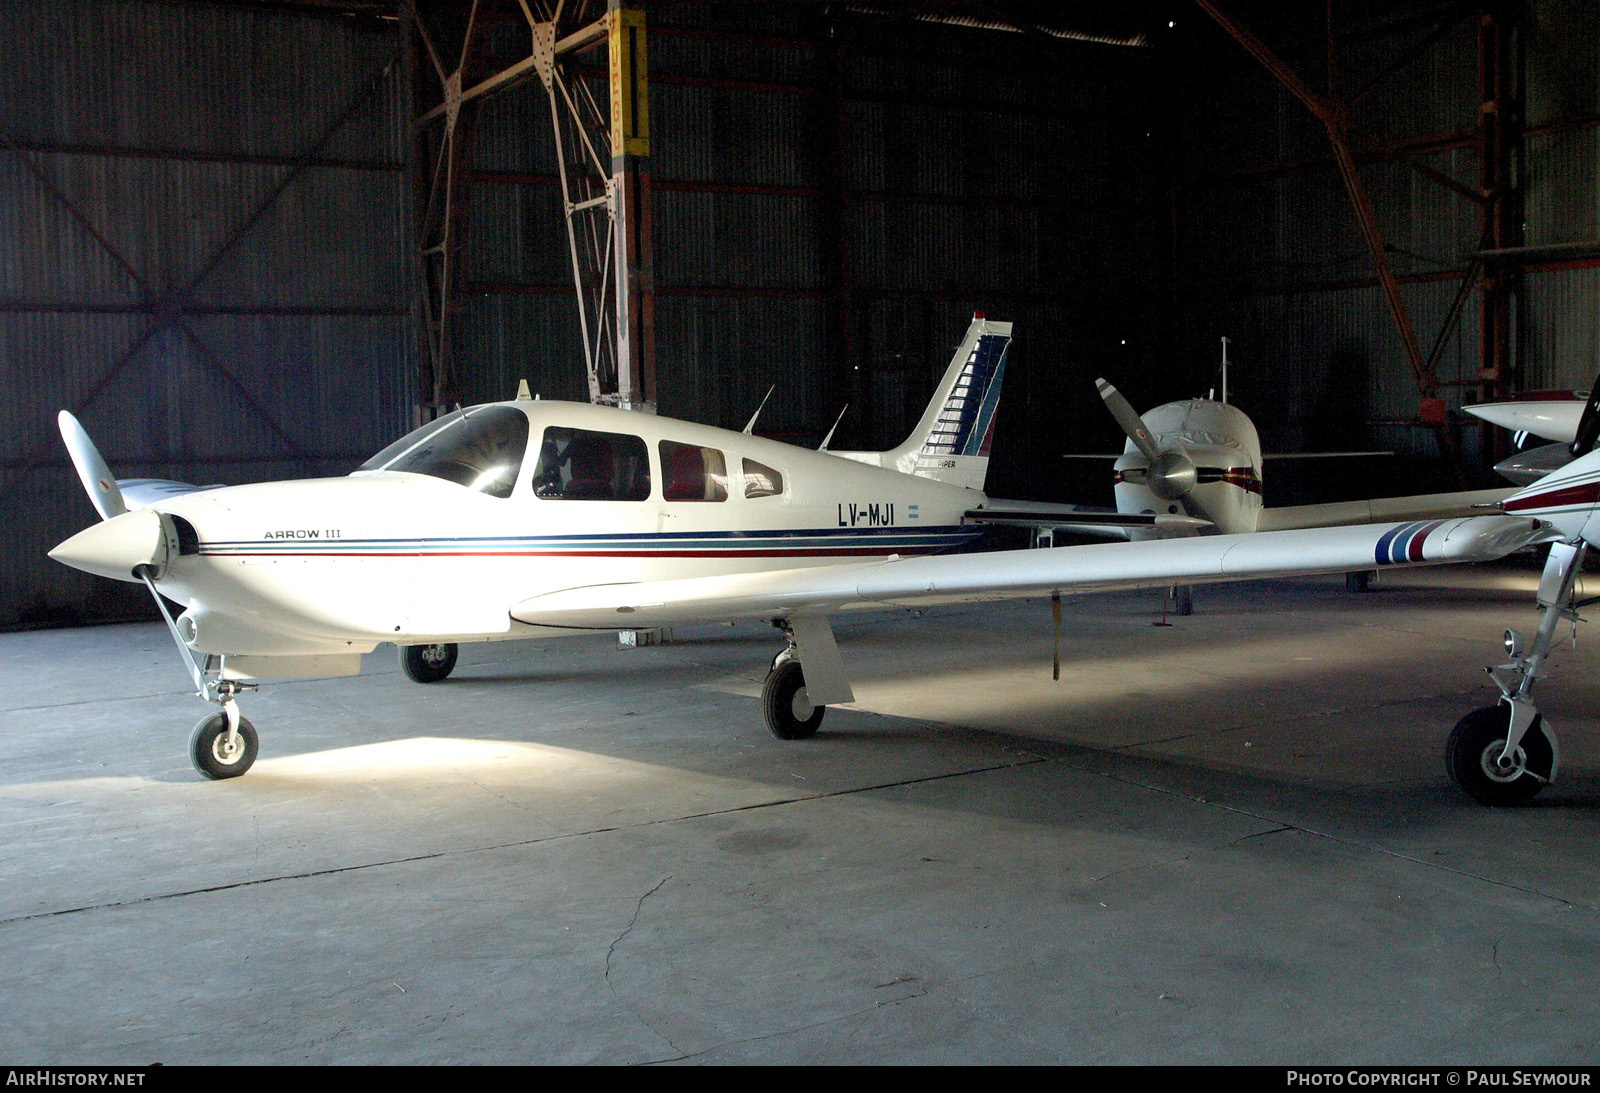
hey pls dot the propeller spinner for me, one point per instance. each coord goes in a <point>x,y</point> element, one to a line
<point>1171,474</point>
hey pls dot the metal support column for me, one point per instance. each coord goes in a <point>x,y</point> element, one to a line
<point>630,200</point>
<point>599,154</point>
<point>1498,139</point>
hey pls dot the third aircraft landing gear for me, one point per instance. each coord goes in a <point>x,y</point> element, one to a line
<point>1504,754</point>
<point>1478,763</point>
<point>428,663</point>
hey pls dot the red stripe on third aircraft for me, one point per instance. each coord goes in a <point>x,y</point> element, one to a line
<point>1585,494</point>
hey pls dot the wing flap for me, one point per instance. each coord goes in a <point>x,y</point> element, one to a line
<point>1050,514</point>
<point>1018,573</point>
<point>1423,506</point>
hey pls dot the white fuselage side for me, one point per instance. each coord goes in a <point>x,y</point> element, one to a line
<point>338,565</point>
<point>1225,450</point>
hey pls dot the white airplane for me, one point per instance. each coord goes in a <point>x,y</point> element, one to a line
<point>1569,418</point>
<point>1203,457</point>
<point>527,519</point>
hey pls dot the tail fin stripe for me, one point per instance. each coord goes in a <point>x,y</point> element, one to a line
<point>963,423</point>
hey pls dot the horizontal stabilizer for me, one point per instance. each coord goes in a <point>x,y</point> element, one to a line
<point>1019,573</point>
<point>1280,456</point>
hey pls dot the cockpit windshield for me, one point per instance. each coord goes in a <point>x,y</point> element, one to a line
<point>480,448</point>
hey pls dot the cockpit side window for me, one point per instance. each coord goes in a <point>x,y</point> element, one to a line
<point>761,480</point>
<point>692,473</point>
<point>480,449</point>
<point>584,465</point>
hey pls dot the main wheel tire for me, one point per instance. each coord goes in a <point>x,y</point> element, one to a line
<point>789,713</point>
<point>1473,758</point>
<point>429,663</point>
<point>209,750</point>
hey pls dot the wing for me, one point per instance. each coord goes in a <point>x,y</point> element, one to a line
<point>823,590</point>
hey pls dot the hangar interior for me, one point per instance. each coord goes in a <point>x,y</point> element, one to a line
<point>222,236</point>
<point>245,240</point>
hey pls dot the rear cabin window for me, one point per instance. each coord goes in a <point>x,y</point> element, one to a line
<point>692,473</point>
<point>584,465</point>
<point>480,449</point>
<point>761,480</point>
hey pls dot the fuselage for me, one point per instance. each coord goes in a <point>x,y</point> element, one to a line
<point>437,536</point>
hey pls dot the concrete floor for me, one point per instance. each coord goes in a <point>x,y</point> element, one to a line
<point>1228,840</point>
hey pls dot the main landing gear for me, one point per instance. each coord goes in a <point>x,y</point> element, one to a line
<point>1506,753</point>
<point>792,704</point>
<point>785,703</point>
<point>428,663</point>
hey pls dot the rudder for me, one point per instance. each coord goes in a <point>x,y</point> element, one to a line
<point>951,443</point>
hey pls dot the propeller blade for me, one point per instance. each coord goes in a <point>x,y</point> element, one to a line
<point>1589,424</point>
<point>1196,508</point>
<point>92,470</point>
<point>1128,418</point>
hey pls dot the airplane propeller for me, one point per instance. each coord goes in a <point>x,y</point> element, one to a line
<point>1588,425</point>
<point>1171,475</point>
<point>127,545</point>
<point>98,482</point>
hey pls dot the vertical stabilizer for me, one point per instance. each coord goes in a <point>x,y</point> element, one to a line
<point>951,442</point>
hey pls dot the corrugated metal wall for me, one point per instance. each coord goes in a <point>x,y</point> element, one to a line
<point>978,169</point>
<point>1270,248</point>
<point>1562,348</point>
<point>204,248</point>
<point>835,192</point>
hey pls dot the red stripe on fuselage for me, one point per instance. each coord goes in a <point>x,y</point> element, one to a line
<point>1586,494</point>
<point>837,552</point>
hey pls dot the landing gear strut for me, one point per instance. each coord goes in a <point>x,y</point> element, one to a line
<point>1504,754</point>
<point>222,745</point>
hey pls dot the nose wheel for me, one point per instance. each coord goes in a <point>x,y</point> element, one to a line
<point>217,753</point>
<point>1478,763</point>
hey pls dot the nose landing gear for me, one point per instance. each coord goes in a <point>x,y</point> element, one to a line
<point>219,751</point>
<point>1504,754</point>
